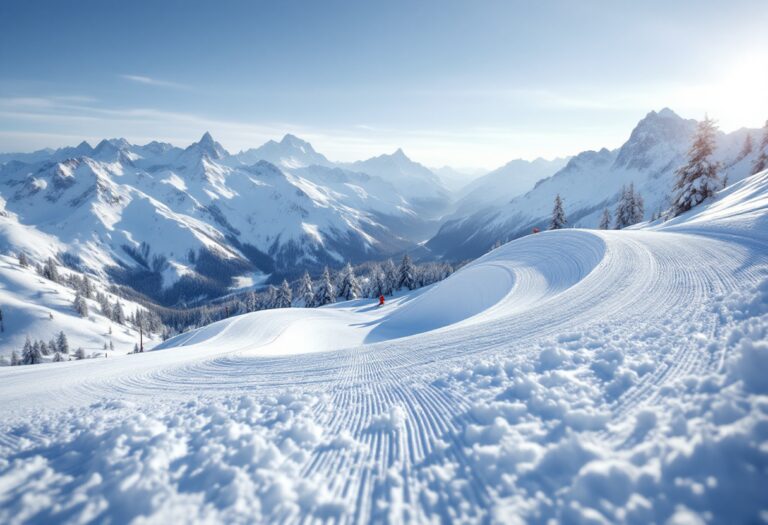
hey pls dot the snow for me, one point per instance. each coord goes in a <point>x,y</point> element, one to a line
<point>570,376</point>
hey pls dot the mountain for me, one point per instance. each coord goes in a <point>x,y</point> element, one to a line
<point>420,186</point>
<point>179,225</point>
<point>456,180</point>
<point>290,152</point>
<point>504,183</point>
<point>591,181</point>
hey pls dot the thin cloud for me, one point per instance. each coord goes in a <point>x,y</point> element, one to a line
<point>149,81</point>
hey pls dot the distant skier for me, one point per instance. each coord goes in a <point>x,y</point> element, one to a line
<point>381,300</point>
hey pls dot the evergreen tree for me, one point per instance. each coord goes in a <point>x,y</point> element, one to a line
<point>605,220</point>
<point>271,298</point>
<point>57,357</point>
<point>62,345</point>
<point>390,277</point>
<point>630,209</point>
<point>80,305</point>
<point>15,361</point>
<point>31,355</point>
<point>377,284</point>
<point>326,293</point>
<point>50,270</point>
<point>558,215</point>
<point>350,288</point>
<point>761,162</point>
<point>79,353</point>
<point>638,207</point>
<point>52,348</point>
<point>284,296</point>
<point>697,180</point>
<point>306,291</point>
<point>111,345</point>
<point>118,315</point>
<point>23,260</point>
<point>252,301</point>
<point>406,274</point>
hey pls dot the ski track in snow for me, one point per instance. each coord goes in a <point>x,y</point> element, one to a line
<point>398,429</point>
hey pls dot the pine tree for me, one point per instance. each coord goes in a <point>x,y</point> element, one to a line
<point>761,162</point>
<point>79,353</point>
<point>697,180</point>
<point>111,345</point>
<point>271,299</point>
<point>252,301</point>
<point>630,209</point>
<point>326,293</point>
<point>80,305</point>
<point>390,277</point>
<point>31,355</point>
<point>558,215</point>
<point>57,358</point>
<point>306,292</point>
<point>377,284</point>
<point>406,274</point>
<point>284,296</point>
<point>118,315</point>
<point>15,361</point>
<point>62,345</point>
<point>50,270</point>
<point>637,206</point>
<point>605,220</point>
<point>23,260</point>
<point>350,288</point>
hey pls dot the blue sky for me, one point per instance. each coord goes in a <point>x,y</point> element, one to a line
<point>468,84</point>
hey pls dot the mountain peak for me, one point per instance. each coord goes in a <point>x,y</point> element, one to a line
<point>208,146</point>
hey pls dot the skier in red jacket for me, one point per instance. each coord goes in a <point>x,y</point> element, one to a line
<point>381,300</point>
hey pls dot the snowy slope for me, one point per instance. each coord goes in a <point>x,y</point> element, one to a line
<point>579,376</point>
<point>37,308</point>
<point>591,181</point>
<point>503,184</point>
<point>419,184</point>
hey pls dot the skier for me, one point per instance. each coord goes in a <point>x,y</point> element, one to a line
<point>381,300</point>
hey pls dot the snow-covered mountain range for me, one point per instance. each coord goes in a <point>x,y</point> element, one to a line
<point>179,223</point>
<point>588,183</point>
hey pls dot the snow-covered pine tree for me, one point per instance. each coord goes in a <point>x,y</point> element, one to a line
<point>623,209</point>
<point>118,315</point>
<point>270,300</point>
<point>605,220</point>
<point>51,270</point>
<point>637,206</point>
<point>23,260</point>
<point>31,354</point>
<point>15,361</point>
<point>252,301</point>
<point>390,277</point>
<point>42,347</point>
<point>326,293</point>
<point>697,180</point>
<point>284,296</point>
<point>57,357</point>
<point>79,353</point>
<point>80,305</point>
<point>558,215</point>
<point>62,345</point>
<point>306,292</point>
<point>761,162</point>
<point>406,275</point>
<point>350,287</point>
<point>377,285</point>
